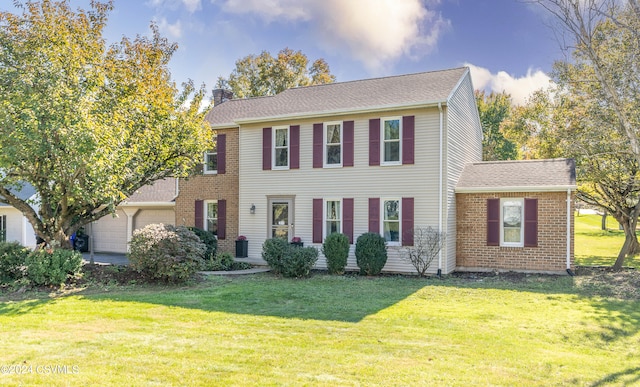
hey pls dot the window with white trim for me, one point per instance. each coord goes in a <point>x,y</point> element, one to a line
<point>333,144</point>
<point>332,216</point>
<point>391,213</point>
<point>211,159</point>
<point>391,143</point>
<point>280,147</point>
<point>511,222</point>
<point>211,216</point>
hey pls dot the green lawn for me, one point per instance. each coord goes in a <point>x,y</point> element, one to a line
<point>595,247</point>
<point>328,330</point>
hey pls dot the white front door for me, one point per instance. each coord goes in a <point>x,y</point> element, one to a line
<point>281,218</point>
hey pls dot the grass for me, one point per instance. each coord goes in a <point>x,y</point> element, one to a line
<point>328,330</point>
<point>597,247</point>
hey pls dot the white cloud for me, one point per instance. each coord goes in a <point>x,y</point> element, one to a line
<point>172,5</point>
<point>375,32</point>
<point>174,30</point>
<point>192,5</point>
<point>520,88</point>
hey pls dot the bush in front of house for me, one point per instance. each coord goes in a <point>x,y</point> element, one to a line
<point>371,253</point>
<point>166,252</point>
<point>288,260</point>
<point>12,261</point>
<point>52,267</point>
<point>298,261</point>
<point>336,249</point>
<point>209,240</point>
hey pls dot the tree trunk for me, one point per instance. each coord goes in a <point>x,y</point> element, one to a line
<point>631,245</point>
<point>604,221</point>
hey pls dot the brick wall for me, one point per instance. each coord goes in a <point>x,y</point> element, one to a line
<point>550,255</point>
<point>213,187</point>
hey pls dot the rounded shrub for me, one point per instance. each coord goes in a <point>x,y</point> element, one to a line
<point>12,261</point>
<point>273,252</point>
<point>209,240</point>
<point>52,267</point>
<point>298,261</point>
<point>336,249</point>
<point>166,252</point>
<point>371,253</point>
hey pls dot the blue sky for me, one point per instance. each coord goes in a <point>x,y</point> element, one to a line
<point>507,43</point>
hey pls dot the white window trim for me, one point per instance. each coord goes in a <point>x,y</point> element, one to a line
<point>382,120</point>
<point>324,215</point>
<point>512,244</point>
<point>273,147</point>
<point>382,201</point>
<point>324,144</point>
<point>205,211</point>
<point>205,169</point>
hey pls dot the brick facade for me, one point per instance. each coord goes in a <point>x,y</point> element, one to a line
<point>550,254</point>
<point>214,187</point>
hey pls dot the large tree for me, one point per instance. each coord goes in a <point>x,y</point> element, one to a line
<point>603,76</point>
<point>494,109</point>
<point>84,123</point>
<point>260,75</point>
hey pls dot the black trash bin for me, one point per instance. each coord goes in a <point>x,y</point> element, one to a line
<point>81,243</point>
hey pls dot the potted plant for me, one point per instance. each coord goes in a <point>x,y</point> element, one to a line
<point>297,241</point>
<point>242,247</point>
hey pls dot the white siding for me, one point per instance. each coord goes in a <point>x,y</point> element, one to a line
<point>361,182</point>
<point>18,228</point>
<point>463,145</point>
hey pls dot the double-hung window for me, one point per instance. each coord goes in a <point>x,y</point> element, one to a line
<point>332,216</point>
<point>333,144</point>
<point>281,147</point>
<point>211,159</point>
<point>211,213</point>
<point>391,134</point>
<point>511,227</point>
<point>391,221</point>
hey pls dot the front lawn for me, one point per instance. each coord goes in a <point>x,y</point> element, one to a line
<point>597,247</point>
<point>331,330</point>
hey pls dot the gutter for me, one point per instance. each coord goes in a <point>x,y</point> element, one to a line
<point>524,188</point>
<point>147,204</point>
<point>440,189</point>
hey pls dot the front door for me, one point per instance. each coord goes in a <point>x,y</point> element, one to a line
<point>281,222</point>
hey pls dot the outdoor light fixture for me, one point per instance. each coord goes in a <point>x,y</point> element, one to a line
<point>253,208</point>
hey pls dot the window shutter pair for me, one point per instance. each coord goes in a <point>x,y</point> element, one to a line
<point>222,217</point>
<point>347,144</point>
<point>530,222</point>
<point>294,148</point>
<point>408,140</point>
<point>347,219</point>
<point>407,220</point>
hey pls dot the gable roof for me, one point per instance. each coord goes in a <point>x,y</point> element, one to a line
<point>161,192</point>
<point>518,176</point>
<point>24,192</point>
<point>428,88</point>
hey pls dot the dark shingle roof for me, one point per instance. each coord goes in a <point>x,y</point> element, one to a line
<point>160,191</point>
<point>521,175</point>
<point>377,93</point>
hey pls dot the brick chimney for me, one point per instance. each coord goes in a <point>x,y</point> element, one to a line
<point>221,95</point>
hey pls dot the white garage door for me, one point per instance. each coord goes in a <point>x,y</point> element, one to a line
<point>150,216</point>
<point>110,234</point>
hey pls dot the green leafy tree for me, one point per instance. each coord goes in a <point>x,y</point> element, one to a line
<point>602,78</point>
<point>84,123</point>
<point>493,110</point>
<point>260,75</point>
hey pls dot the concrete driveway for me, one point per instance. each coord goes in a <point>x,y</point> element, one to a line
<point>106,258</point>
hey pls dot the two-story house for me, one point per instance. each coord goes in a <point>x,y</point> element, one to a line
<point>380,155</point>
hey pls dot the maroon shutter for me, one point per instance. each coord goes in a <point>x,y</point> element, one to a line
<point>266,149</point>
<point>374,215</point>
<point>199,214</point>
<point>408,139</point>
<point>347,138</point>
<point>222,219</point>
<point>531,222</point>
<point>374,141</point>
<point>317,145</point>
<point>294,134</point>
<point>407,221</point>
<point>222,153</point>
<point>347,218</point>
<point>493,222</point>
<point>317,221</point>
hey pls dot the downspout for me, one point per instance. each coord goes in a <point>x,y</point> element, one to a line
<point>440,190</point>
<point>569,233</point>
